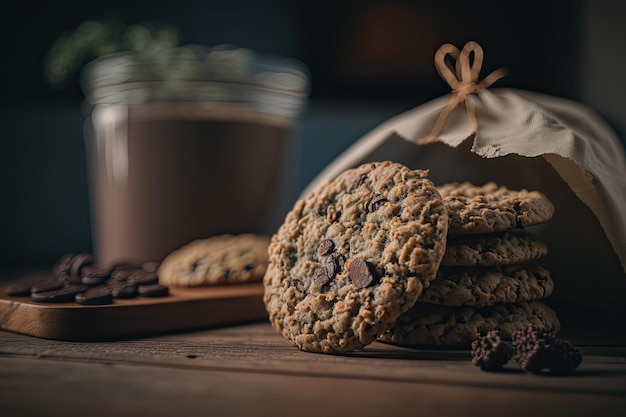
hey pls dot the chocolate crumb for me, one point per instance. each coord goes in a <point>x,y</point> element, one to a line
<point>490,352</point>
<point>536,350</point>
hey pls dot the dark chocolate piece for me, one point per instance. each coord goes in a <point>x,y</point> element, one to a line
<point>360,273</point>
<point>375,203</point>
<point>91,275</point>
<point>123,291</point>
<point>100,295</point>
<point>320,276</point>
<point>330,265</point>
<point>490,352</point>
<point>62,267</point>
<point>153,290</point>
<point>78,262</point>
<point>60,295</point>
<point>143,278</point>
<point>48,283</point>
<point>326,247</point>
<point>537,350</point>
<point>22,287</point>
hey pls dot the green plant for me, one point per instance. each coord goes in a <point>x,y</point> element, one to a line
<point>92,39</point>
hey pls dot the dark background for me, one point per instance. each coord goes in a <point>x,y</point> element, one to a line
<point>369,60</point>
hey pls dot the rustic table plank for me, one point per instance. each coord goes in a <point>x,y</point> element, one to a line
<point>258,349</point>
<point>30,386</point>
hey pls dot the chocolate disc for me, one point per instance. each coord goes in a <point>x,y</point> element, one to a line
<point>360,273</point>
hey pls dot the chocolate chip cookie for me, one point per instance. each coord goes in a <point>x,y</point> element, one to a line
<point>491,208</point>
<point>428,325</point>
<point>353,255</point>
<point>486,286</point>
<point>493,249</point>
<point>223,259</point>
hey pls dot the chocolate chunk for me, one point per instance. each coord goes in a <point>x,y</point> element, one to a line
<point>62,267</point>
<point>100,295</point>
<point>320,276</point>
<point>65,278</point>
<point>22,287</point>
<point>143,278</point>
<point>326,247</point>
<point>75,278</point>
<point>121,275</point>
<point>490,352</point>
<point>537,350</point>
<point>60,295</point>
<point>153,290</point>
<point>48,283</point>
<point>517,207</point>
<point>123,291</point>
<point>122,265</point>
<point>375,203</point>
<point>362,180</point>
<point>91,275</point>
<point>360,273</point>
<point>330,265</point>
<point>78,262</point>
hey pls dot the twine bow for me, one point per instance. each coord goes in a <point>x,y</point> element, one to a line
<point>463,80</point>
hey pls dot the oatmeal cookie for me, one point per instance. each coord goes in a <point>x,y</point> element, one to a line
<point>491,208</point>
<point>486,286</point>
<point>430,325</point>
<point>353,255</point>
<point>223,259</point>
<point>493,249</point>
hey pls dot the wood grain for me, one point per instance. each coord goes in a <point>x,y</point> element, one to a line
<point>52,388</point>
<point>251,370</point>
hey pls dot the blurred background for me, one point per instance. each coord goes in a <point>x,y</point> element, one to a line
<point>369,60</point>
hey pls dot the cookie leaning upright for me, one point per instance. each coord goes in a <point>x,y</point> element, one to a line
<point>353,255</point>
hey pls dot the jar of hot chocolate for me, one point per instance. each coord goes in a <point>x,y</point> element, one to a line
<point>187,144</point>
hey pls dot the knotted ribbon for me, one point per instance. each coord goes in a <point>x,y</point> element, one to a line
<point>463,80</point>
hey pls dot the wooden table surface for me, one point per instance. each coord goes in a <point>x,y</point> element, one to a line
<point>250,370</point>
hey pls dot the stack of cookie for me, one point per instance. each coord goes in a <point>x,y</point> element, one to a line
<point>490,277</point>
<point>381,253</point>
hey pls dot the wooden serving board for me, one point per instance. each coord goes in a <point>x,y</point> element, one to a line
<point>183,309</point>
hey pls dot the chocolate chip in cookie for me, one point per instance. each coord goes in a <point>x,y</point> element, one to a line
<point>320,276</point>
<point>361,273</point>
<point>325,248</point>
